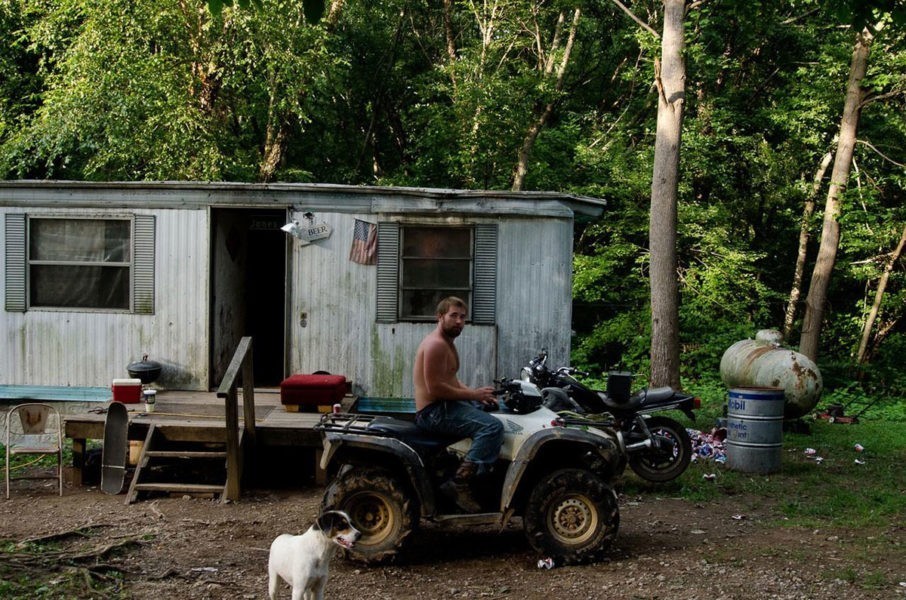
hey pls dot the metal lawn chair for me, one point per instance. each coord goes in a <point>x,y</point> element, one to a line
<point>34,429</point>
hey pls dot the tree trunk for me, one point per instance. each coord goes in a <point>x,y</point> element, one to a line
<point>862,354</point>
<point>830,233</point>
<point>804,236</point>
<point>274,146</point>
<point>670,80</point>
<point>451,40</point>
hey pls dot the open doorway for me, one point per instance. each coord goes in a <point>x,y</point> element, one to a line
<point>248,293</point>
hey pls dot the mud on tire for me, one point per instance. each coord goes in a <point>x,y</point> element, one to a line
<point>379,507</point>
<point>572,516</point>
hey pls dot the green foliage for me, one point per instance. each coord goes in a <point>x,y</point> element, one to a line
<point>402,93</point>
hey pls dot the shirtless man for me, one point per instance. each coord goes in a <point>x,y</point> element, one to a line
<point>443,404</point>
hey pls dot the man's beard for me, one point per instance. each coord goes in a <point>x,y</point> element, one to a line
<point>452,331</point>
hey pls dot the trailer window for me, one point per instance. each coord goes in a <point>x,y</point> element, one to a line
<point>79,263</point>
<point>435,262</point>
<point>418,265</point>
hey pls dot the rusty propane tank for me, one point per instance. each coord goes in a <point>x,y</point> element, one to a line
<point>762,362</point>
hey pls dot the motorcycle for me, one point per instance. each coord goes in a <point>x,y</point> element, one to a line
<point>658,448</point>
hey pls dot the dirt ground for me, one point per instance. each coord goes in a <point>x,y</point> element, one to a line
<point>191,548</point>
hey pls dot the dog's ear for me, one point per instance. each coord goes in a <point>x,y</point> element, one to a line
<point>331,520</point>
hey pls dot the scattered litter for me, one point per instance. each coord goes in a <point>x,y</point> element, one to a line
<point>709,446</point>
<point>698,532</point>
<point>203,569</point>
<point>858,447</point>
<point>859,462</point>
<point>546,563</point>
<point>738,517</point>
<point>810,452</point>
<point>819,459</point>
<point>709,476</point>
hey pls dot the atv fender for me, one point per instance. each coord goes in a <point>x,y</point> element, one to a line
<point>533,445</point>
<point>392,447</point>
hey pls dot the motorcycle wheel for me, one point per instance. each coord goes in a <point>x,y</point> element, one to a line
<point>378,507</point>
<point>665,463</point>
<point>572,516</point>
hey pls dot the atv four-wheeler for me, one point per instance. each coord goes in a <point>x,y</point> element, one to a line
<point>386,473</point>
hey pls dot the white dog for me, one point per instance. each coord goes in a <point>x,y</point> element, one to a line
<point>302,560</point>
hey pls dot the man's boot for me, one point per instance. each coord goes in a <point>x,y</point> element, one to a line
<point>459,488</point>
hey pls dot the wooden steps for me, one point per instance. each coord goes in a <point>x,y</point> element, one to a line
<point>174,463</point>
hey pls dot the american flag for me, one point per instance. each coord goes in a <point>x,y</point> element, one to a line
<point>364,243</point>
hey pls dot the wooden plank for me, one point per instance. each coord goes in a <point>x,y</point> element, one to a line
<point>199,488</point>
<point>184,454</point>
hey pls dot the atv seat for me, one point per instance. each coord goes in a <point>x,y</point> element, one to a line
<point>410,434</point>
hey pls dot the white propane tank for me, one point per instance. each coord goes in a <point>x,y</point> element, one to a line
<point>762,362</point>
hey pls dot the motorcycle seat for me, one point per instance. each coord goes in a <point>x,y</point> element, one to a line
<point>410,434</point>
<point>639,399</point>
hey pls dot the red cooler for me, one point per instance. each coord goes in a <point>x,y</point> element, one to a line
<point>127,391</point>
<point>312,393</point>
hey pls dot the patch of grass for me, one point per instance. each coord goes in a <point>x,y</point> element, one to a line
<point>806,492</point>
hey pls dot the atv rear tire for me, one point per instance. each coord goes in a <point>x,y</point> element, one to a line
<point>669,462</point>
<point>572,516</point>
<point>379,507</point>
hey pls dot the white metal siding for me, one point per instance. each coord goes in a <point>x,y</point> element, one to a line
<point>534,292</point>
<point>90,348</point>
<point>335,299</point>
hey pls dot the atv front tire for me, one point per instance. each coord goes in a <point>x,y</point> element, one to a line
<point>572,516</point>
<point>379,507</point>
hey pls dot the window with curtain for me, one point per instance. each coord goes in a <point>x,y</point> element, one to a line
<point>79,263</point>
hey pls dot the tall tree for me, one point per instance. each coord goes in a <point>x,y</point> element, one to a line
<point>808,211</point>
<point>830,232</point>
<point>550,67</point>
<point>670,79</point>
<point>863,352</point>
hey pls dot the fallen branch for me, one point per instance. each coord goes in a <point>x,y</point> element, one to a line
<point>51,537</point>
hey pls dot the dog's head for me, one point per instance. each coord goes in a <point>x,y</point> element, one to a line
<point>335,524</point>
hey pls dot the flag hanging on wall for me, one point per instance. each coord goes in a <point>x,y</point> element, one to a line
<point>364,243</point>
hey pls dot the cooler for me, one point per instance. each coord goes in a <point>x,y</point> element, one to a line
<point>312,393</point>
<point>127,391</point>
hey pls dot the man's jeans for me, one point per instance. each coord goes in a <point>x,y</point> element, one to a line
<point>460,418</point>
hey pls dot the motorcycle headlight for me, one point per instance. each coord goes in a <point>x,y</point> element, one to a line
<point>525,374</point>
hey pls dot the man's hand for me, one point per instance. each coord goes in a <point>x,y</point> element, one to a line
<point>485,395</point>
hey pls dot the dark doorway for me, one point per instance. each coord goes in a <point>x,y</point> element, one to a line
<point>249,290</point>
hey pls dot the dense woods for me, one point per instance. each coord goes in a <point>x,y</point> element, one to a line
<point>782,138</point>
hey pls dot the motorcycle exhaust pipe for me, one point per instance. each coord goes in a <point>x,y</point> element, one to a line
<point>643,445</point>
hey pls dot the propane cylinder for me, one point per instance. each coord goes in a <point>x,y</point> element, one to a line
<point>762,362</point>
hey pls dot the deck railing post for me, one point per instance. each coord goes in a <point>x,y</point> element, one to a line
<point>241,363</point>
<point>248,394</point>
<point>234,461</point>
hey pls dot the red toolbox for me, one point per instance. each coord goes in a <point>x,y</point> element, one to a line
<point>312,393</point>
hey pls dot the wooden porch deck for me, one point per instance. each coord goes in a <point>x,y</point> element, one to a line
<point>199,416</point>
